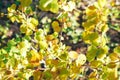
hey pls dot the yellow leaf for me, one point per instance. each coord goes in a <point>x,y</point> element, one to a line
<point>112,73</point>
<point>12,8</point>
<point>102,3</point>
<point>49,37</point>
<point>56,27</point>
<point>31,26</point>
<point>23,28</point>
<point>34,57</point>
<point>91,10</point>
<point>43,44</point>
<point>28,32</point>
<point>34,21</point>
<point>93,74</point>
<point>112,65</point>
<point>13,19</point>
<point>54,69</point>
<point>114,57</point>
<point>37,75</point>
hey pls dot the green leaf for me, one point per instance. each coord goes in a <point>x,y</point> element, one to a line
<point>49,5</point>
<point>25,3</point>
<point>90,37</point>
<point>48,75</point>
<point>54,7</point>
<point>11,43</point>
<point>95,63</point>
<point>91,54</point>
<point>117,50</point>
<point>101,52</point>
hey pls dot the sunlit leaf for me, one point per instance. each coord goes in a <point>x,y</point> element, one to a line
<point>49,5</point>
<point>34,57</point>
<point>49,37</point>
<point>34,21</point>
<point>102,3</point>
<point>70,6</point>
<point>23,28</point>
<point>101,52</point>
<point>90,37</point>
<point>12,8</point>
<point>73,55</point>
<point>117,50</point>
<point>81,60</point>
<point>112,73</point>
<point>43,44</point>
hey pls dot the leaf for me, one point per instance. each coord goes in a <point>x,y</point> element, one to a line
<point>56,27</point>
<point>23,28</point>
<point>54,7</point>
<point>81,60</point>
<point>49,37</point>
<point>112,65</point>
<point>117,50</point>
<point>49,5</point>
<point>91,11</point>
<point>90,37</point>
<point>25,3</point>
<point>24,44</point>
<point>95,63</point>
<point>29,32</point>
<point>70,6</point>
<point>104,28</point>
<point>91,54</point>
<point>39,35</point>
<point>12,8</point>
<point>37,75</point>
<point>13,19</point>
<point>73,55</point>
<point>34,57</point>
<point>114,57</point>
<point>102,3</point>
<point>112,73</point>
<point>47,75</point>
<point>43,44</point>
<point>88,26</point>
<point>93,75</point>
<point>34,21</point>
<point>11,43</point>
<point>31,26</point>
<point>101,52</point>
